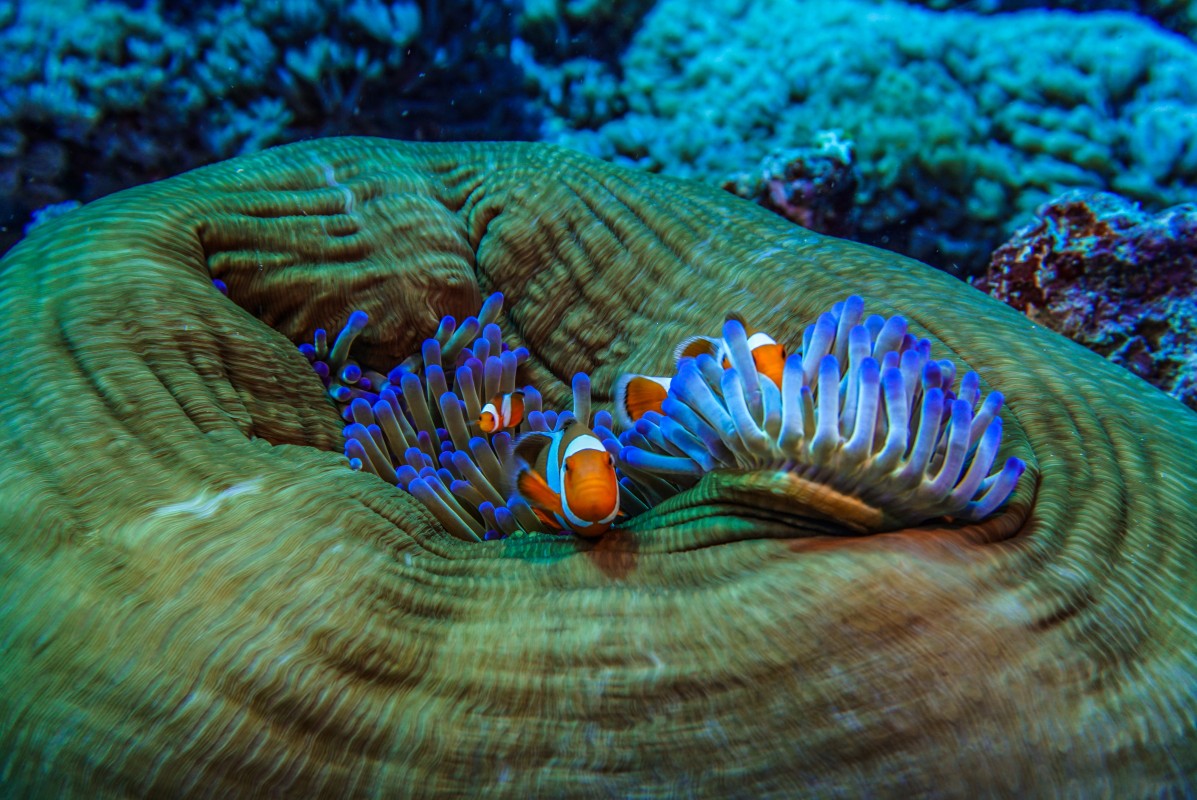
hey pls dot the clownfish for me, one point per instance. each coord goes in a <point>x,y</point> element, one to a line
<point>636,395</point>
<point>768,356</point>
<point>502,412</point>
<point>568,478</point>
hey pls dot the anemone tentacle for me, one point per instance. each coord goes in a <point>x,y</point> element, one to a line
<point>862,409</point>
<point>417,426</point>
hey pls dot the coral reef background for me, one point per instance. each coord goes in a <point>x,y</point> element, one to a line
<point>934,129</point>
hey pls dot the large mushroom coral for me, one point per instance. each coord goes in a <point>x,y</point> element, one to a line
<point>199,598</point>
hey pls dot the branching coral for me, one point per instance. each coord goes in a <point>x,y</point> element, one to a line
<point>101,95</point>
<point>961,129</point>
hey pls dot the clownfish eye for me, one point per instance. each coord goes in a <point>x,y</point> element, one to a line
<point>610,460</point>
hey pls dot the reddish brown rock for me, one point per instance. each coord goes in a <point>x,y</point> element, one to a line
<point>1098,269</point>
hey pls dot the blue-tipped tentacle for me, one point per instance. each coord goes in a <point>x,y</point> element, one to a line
<point>741,362</point>
<point>413,395</point>
<point>682,414</point>
<point>424,491</point>
<point>339,354</point>
<point>827,428</point>
<point>659,464</point>
<point>523,514</point>
<point>687,443</point>
<point>491,307</point>
<point>849,314</point>
<point>863,408</point>
<point>459,340</point>
<point>453,413</point>
<point>434,379</point>
<point>468,469</point>
<point>487,461</point>
<point>980,464</point>
<point>508,524</point>
<point>492,377</point>
<point>508,363</point>
<point>857,449</point>
<point>997,490</point>
<point>494,339</point>
<point>467,493</point>
<point>754,442</point>
<point>581,391</point>
<point>356,452</point>
<point>821,339</point>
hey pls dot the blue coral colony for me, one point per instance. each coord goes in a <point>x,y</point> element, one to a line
<point>862,409</point>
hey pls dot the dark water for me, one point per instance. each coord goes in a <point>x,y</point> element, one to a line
<point>954,144</point>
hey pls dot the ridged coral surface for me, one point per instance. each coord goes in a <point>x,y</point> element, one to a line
<point>198,598</point>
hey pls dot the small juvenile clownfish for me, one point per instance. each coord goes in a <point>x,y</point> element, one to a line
<point>502,412</point>
<point>568,478</point>
<point>636,395</point>
<point>768,356</point>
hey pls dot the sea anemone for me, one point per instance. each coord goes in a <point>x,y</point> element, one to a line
<point>863,414</point>
<point>417,426</point>
<point>865,426</point>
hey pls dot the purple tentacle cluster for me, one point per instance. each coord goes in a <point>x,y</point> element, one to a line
<point>417,426</point>
<point>863,409</point>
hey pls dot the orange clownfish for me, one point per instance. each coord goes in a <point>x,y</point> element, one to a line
<point>503,412</point>
<point>768,356</point>
<point>636,395</point>
<point>568,478</point>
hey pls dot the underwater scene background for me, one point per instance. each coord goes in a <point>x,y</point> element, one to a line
<point>944,131</point>
<point>546,398</point>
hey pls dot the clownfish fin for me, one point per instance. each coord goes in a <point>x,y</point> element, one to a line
<point>547,519</point>
<point>637,394</point>
<point>533,488</point>
<point>696,346</point>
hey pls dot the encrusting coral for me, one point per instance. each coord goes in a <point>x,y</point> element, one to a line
<point>199,598</point>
